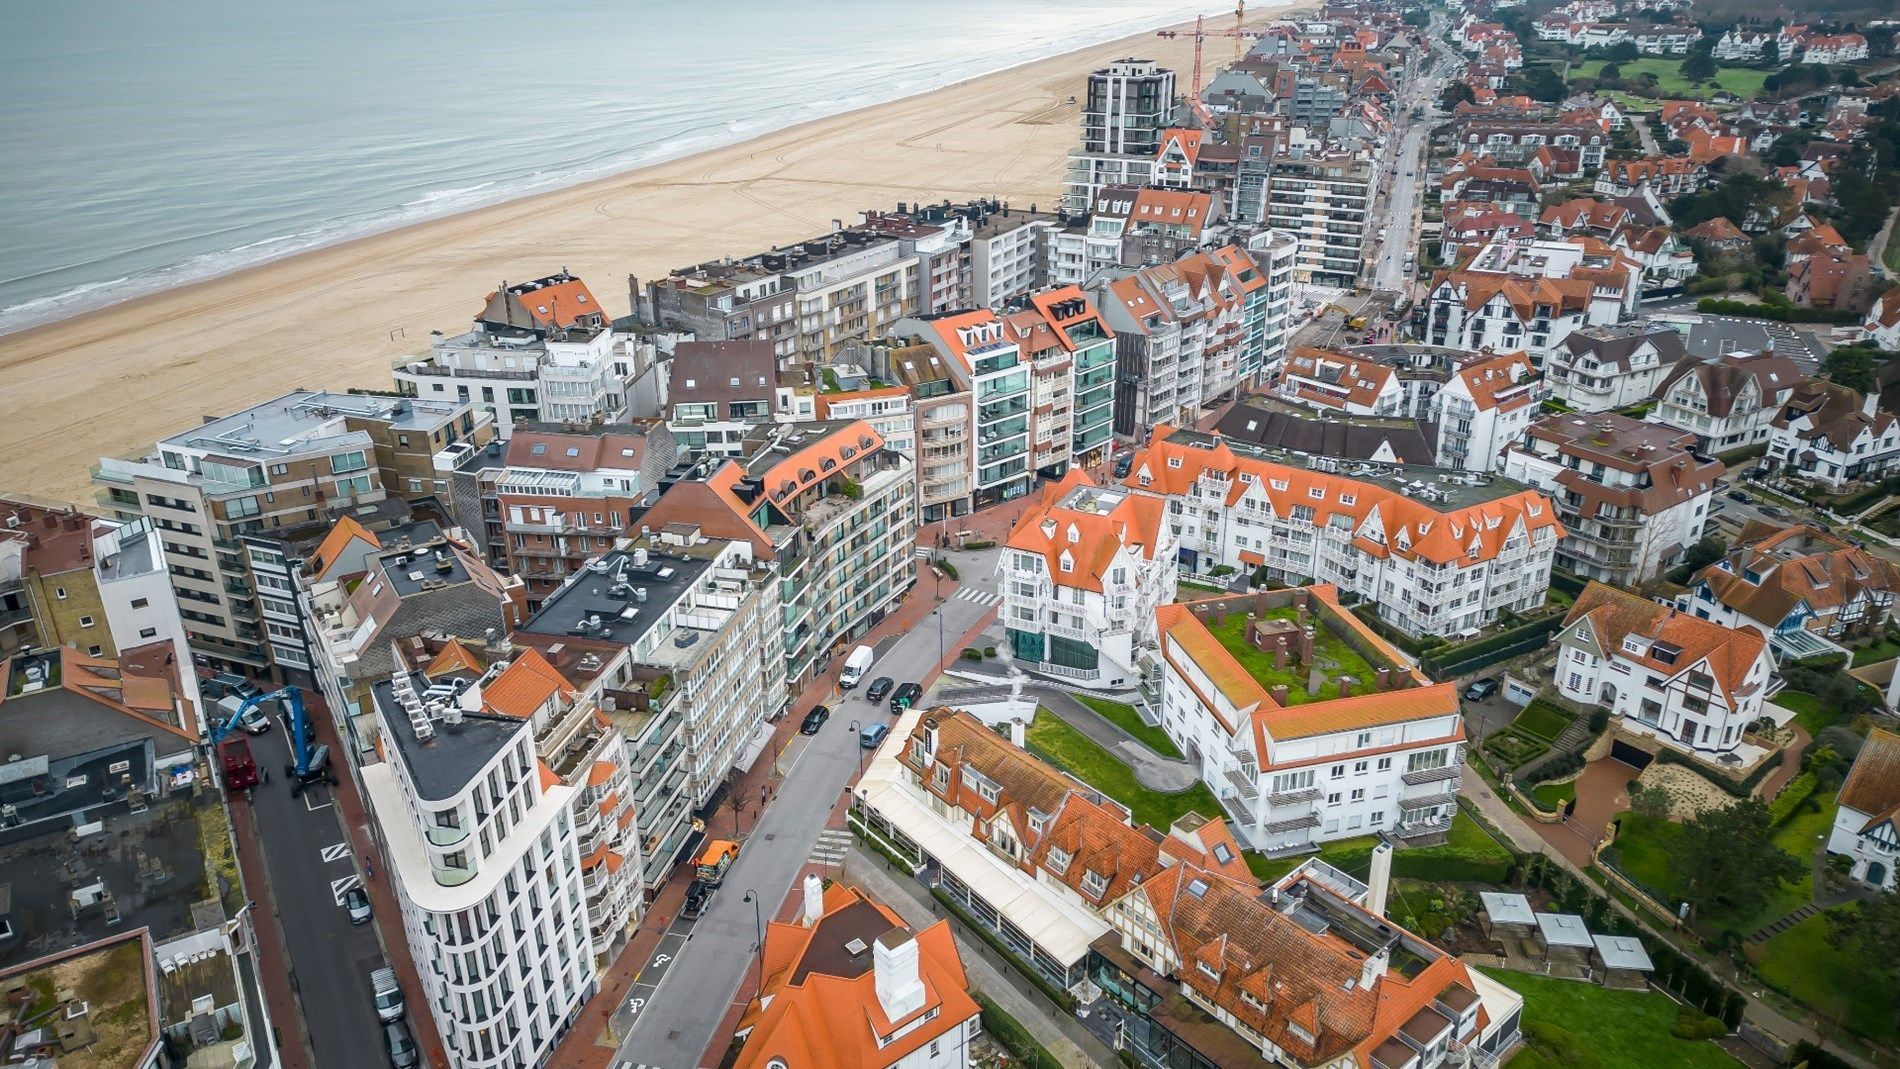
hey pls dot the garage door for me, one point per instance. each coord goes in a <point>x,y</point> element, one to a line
<point>1633,756</point>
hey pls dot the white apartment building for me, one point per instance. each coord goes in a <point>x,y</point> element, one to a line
<point>1439,553</point>
<point>1632,496</point>
<point>479,838</point>
<point>1484,408</point>
<point>1126,106</point>
<point>1083,573</point>
<point>1727,402</point>
<point>1529,295</point>
<point>1323,200</point>
<point>1008,256</point>
<point>986,356</point>
<point>1327,745</point>
<point>135,589</point>
<point>1670,676</point>
<point>1269,328</point>
<point>1598,369</point>
<point>1741,45</point>
<point>890,410</point>
<point>1833,435</point>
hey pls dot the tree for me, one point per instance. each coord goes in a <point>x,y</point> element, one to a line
<point>1699,67</point>
<point>1869,932</point>
<point>1456,93</point>
<point>1726,861</point>
<point>1540,83</point>
<point>1611,72</point>
<point>1771,53</point>
<point>1850,366</point>
<point>1622,52</point>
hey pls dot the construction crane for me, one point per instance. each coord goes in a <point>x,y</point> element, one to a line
<point>310,764</point>
<point>1201,33</point>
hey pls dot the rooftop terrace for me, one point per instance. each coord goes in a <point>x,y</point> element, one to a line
<point>118,1025</point>
<point>1331,655</point>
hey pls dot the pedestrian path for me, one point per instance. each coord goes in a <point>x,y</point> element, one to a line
<point>978,596</point>
<point>1770,931</point>
<point>833,845</point>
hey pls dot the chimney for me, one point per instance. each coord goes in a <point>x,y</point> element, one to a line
<point>1385,679</point>
<point>1278,694</point>
<point>1306,645</point>
<point>1375,966</point>
<point>1380,880</point>
<point>1345,686</point>
<point>814,900</point>
<point>1018,733</point>
<point>900,989</point>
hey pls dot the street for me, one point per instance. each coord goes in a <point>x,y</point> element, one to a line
<point>1388,273</point>
<point>678,1004</point>
<point>310,865</point>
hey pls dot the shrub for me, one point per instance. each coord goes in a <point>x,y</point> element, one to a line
<point>971,653</point>
<point>948,568</point>
<point>980,543</point>
<point>1564,764</point>
<point>1693,1024</point>
<point>1780,312</point>
<point>1799,789</point>
<point>1599,721</point>
<point>989,651</point>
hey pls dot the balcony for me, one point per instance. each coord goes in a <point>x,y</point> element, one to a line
<point>448,875</point>
<point>1243,783</point>
<point>1308,794</point>
<point>1430,775</point>
<point>444,836</point>
<point>1299,823</point>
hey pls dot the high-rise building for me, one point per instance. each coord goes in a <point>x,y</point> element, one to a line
<point>1128,105</point>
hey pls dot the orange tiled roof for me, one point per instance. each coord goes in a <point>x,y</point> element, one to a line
<point>1089,540</point>
<point>346,530</point>
<point>525,685</point>
<point>1362,381</point>
<point>1873,786</point>
<point>1613,614</point>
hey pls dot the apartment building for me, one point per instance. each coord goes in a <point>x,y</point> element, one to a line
<point>1192,333</point>
<point>858,989</point>
<point>1323,200</point>
<point>1304,724</point>
<point>1728,401</point>
<point>225,495</point>
<point>1796,585</point>
<point>986,357</point>
<point>1083,573</point>
<point>1529,295</point>
<point>564,496</point>
<point>543,350</point>
<point>49,589</point>
<point>1126,107</point>
<point>718,391</point>
<point>945,428</point>
<point>1072,365</point>
<point>1632,496</point>
<point>1439,553</point>
<point>890,410</point>
<point>1131,226</point>
<point>480,846</point>
<point>677,639</point>
<point>1669,676</point>
<point>832,508</point>
<point>1833,435</point>
<point>1598,369</point>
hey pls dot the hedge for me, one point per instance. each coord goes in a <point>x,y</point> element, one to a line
<point>1378,626</point>
<point>947,568</point>
<point>1743,789</point>
<point>1448,661</point>
<point>1011,1034</point>
<point>1798,790</point>
<point>1785,313</point>
<point>1570,584</point>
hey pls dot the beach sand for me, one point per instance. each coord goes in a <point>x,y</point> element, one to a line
<point>112,382</point>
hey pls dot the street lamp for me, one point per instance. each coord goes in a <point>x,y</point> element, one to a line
<point>758,927</point>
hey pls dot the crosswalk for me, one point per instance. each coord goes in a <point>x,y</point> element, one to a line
<point>980,597</point>
<point>922,553</point>
<point>833,844</point>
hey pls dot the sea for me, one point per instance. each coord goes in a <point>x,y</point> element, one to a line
<point>149,143</point>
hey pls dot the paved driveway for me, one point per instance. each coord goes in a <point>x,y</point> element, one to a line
<point>1601,795</point>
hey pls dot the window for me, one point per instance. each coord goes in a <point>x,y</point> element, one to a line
<point>1339,772</point>
<point>1430,759</point>
<point>1359,768</point>
<point>1094,884</point>
<point>94,651</point>
<point>1332,798</point>
<point>1058,860</point>
<point>140,603</point>
<point>1359,795</point>
<point>60,593</point>
<point>342,463</point>
<point>1385,764</point>
<point>148,632</point>
<point>85,621</point>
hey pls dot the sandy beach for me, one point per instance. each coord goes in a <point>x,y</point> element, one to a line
<point>112,382</point>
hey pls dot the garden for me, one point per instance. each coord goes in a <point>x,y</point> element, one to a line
<point>1052,739</point>
<point>1334,657</point>
<point>1574,1025</point>
<point>1124,716</point>
<point>1469,855</point>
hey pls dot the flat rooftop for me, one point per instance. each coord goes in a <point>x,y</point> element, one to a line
<point>120,1023</point>
<point>830,951</point>
<point>443,764</point>
<point>616,598</point>
<point>1096,500</point>
<point>133,557</point>
<point>409,569</point>
<point>308,421</point>
<point>1610,438</point>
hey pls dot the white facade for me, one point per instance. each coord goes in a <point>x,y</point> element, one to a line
<point>1833,446</point>
<point>1007,263</point>
<point>1727,402</point>
<point>1867,824</point>
<point>1622,544</point>
<point>523,376</point>
<point>1324,201</point>
<point>1599,376</point>
<point>486,870</point>
<point>128,563</point>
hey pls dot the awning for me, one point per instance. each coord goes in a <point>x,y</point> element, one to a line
<point>1564,930</point>
<point>760,740</point>
<point>1507,908</point>
<point>1623,952</point>
<point>1248,556</point>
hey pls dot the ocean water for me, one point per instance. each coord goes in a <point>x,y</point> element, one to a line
<point>147,143</point>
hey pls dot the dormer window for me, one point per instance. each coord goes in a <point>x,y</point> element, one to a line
<point>1067,562</point>
<point>1094,884</point>
<point>1075,534</point>
<point>1207,970</point>
<point>1058,860</point>
<point>1174,462</point>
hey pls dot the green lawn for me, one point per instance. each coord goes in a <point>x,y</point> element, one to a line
<point>1053,740</point>
<point>1552,796</point>
<point>1801,963</point>
<point>1334,656</point>
<point>1125,717</point>
<point>1643,846</point>
<point>1543,719</point>
<point>1886,647</point>
<point>1800,835</point>
<point>1741,81</point>
<point>1467,854</point>
<point>1569,1024</point>
<point>1809,711</point>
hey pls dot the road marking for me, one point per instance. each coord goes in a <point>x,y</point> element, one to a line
<point>308,792</point>
<point>336,853</point>
<point>339,888</point>
<point>833,844</point>
<point>977,596</point>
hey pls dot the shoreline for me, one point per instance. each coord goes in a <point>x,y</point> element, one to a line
<point>116,379</point>
<point>581,178</point>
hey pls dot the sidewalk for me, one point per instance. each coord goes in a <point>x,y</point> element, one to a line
<point>1059,1033</point>
<point>592,1041</point>
<point>273,965</point>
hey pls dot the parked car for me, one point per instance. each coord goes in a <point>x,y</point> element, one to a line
<point>225,683</point>
<point>1776,511</point>
<point>1481,689</point>
<point>1737,495</point>
<point>873,735</point>
<point>814,720</point>
<point>356,901</point>
<point>905,696</point>
<point>1123,464</point>
<point>879,687</point>
<point>389,1005</point>
<point>402,1046</point>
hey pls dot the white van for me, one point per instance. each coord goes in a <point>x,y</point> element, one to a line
<point>855,666</point>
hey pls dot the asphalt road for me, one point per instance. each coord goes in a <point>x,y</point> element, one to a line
<point>310,865</point>
<point>1401,213</point>
<point>684,999</point>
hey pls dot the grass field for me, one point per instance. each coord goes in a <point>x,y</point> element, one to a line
<point>1552,796</point>
<point>1886,647</point>
<point>1125,717</point>
<point>1741,81</point>
<point>1643,846</point>
<point>1467,849</point>
<point>1328,649</point>
<point>1810,713</point>
<point>1053,740</point>
<point>1573,1025</point>
<point>1801,962</point>
<point>1543,719</point>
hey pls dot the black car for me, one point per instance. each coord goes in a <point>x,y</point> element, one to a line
<point>1776,511</point>
<point>878,689</point>
<point>1122,465</point>
<point>905,697</point>
<point>1737,495</point>
<point>814,720</point>
<point>1480,689</point>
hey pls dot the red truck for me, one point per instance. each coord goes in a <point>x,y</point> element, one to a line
<point>240,768</point>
